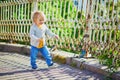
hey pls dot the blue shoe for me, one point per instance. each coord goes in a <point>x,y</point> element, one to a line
<point>50,64</point>
<point>34,67</point>
<point>83,52</point>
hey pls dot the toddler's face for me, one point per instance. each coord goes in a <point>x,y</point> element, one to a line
<point>39,21</point>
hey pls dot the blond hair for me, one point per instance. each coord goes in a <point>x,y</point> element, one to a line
<point>40,14</point>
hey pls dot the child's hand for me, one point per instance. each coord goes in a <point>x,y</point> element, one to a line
<point>56,36</point>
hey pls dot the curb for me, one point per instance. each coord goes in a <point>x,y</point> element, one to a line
<point>64,58</point>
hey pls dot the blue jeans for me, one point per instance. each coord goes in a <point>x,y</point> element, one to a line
<point>45,53</point>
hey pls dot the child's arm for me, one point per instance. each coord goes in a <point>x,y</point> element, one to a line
<point>32,33</point>
<point>50,33</point>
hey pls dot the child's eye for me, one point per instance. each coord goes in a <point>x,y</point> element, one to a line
<point>39,20</point>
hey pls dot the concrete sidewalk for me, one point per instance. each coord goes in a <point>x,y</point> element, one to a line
<point>64,58</point>
<point>14,66</point>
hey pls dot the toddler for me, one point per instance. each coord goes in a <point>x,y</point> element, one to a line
<point>38,31</point>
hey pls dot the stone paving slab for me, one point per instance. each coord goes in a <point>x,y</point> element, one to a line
<point>14,66</point>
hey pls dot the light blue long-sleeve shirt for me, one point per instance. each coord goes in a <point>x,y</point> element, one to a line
<point>37,33</point>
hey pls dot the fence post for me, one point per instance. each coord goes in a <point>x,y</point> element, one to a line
<point>88,28</point>
<point>34,7</point>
